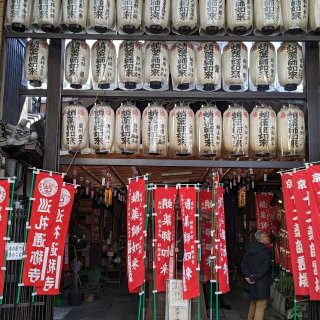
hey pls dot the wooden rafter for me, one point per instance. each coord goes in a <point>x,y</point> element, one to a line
<point>95,178</point>
<point>117,175</point>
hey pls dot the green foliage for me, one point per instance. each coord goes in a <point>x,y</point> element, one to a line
<point>285,286</point>
<point>93,281</point>
<point>301,312</point>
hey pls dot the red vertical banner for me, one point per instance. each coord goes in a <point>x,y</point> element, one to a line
<point>300,277</point>
<point>136,218</point>
<point>4,209</point>
<point>164,199</point>
<point>263,212</point>
<point>308,263</point>
<point>223,270</point>
<point>206,207</point>
<point>56,253</point>
<point>42,227</point>
<point>188,205</point>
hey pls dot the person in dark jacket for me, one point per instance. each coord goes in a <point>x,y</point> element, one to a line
<point>256,267</point>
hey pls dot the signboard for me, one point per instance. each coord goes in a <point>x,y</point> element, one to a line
<point>14,250</point>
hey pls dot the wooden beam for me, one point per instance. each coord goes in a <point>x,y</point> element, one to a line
<point>117,175</point>
<point>139,171</point>
<point>205,175</point>
<point>91,175</point>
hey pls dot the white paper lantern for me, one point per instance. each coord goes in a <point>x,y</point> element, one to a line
<point>263,132</point>
<point>235,67</point>
<point>155,129</point>
<point>156,66</point>
<point>129,16</point>
<point>239,16</point>
<point>101,127</point>
<point>209,131</point>
<point>18,14</point>
<point>291,131</point>
<point>101,15</point>
<point>46,15</point>
<point>236,131</point>
<point>77,63</point>
<point>295,16</point>
<point>184,16</point>
<point>181,130</point>
<point>208,66</point>
<point>290,65</point>
<point>314,16</point>
<point>212,16</point>
<point>104,64</point>
<point>130,65</point>
<point>157,16</point>
<point>36,62</point>
<point>75,135</point>
<point>127,134</point>
<point>183,66</point>
<point>267,16</point>
<point>74,15</point>
<point>262,66</point>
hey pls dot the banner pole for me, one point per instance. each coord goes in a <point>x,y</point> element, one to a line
<point>25,236</point>
<point>295,307</point>
<point>216,217</point>
<point>199,251</point>
<point>8,230</point>
<point>153,263</point>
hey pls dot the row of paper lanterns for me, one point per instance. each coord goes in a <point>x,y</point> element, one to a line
<point>262,134</point>
<point>149,66</point>
<point>239,17</point>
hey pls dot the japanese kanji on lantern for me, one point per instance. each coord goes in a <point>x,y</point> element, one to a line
<point>262,66</point>
<point>208,66</point>
<point>314,17</point>
<point>156,19</point>
<point>104,65</point>
<point>188,205</point>
<point>18,15</point>
<point>46,15</point>
<point>156,66</point>
<point>74,15</point>
<point>291,131</point>
<point>235,67</point>
<point>181,130</point>
<point>155,129</point>
<point>290,66</point>
<point>77,64</point>
<point>267,17</point>
<point>183,66</point>
<point>208,131</point>
<point>212,17</point>
<point>184,16</point>
<point>164,260</point>
<point>136,233</point>
<point>101,16</point>
<point>101,127</point>
<point>263,132</point>
<point>56,252</point>
<point>236,131</point>
<point>130,63</point>
<point>75,135</point>
<point>263,213</point>
<point>127,131</point>
<point>42,227</point>
<point>129,16</point>
<point>36,62</point>
<point>295,16</point>
<point>5,208</point>
<point>239,16</point>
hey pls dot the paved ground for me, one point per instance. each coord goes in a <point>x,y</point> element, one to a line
<point>116,304</point>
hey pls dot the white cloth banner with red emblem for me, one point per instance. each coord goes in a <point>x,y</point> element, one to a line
<point>42,226</point>
<point>136,233</point>
<point>164,199</point>
<point>56,253</point>
<point>310,261</point>
<point>300,277</point>
<point>263,212</point>
<point>206,207</point>
<point>223,270</point>
<point>188,206</point>
<point>4,209</point>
